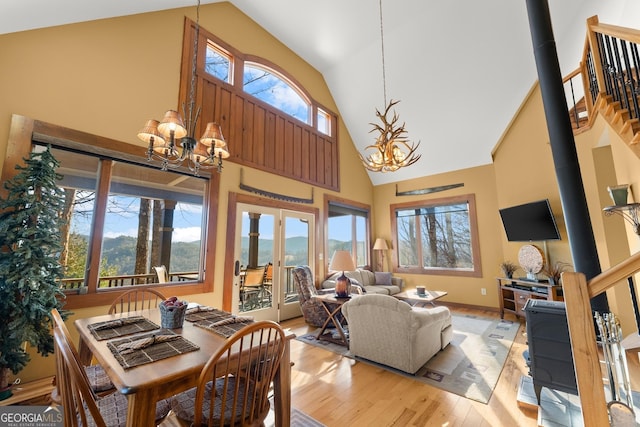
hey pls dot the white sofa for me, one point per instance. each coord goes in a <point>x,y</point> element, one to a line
<point>373,283</point>
<point>389,331</point>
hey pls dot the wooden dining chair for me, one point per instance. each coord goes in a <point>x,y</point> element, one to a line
<point>135,300</point>
<point>98,379</point>
<point>234,384</point>
<point>81,406</point>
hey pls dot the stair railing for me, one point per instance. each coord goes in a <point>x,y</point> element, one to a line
<point>577,296</point>
<point>610,65</point>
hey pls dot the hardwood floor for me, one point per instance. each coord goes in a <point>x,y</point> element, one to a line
<point>339,391</point>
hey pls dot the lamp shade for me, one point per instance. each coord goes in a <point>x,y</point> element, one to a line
<point>341,261</point>
<point>213,136</point>
<point>172,122</point>
<point>380,245</point>
<point>150,132</point>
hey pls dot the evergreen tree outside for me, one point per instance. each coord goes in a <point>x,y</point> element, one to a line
<point>30,269</point>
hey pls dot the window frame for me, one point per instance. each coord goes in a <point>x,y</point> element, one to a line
<point>473,234</point>
<point>355,206</point>
<point>24,132</point>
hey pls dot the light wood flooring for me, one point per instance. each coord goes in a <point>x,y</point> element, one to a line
<point>339,391</point>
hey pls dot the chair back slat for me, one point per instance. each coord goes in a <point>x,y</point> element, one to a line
<point>136,300</point>
<point>242,372</point>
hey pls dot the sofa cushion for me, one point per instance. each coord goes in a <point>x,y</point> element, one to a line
<point>383,278</point>
<point>367,280</point>
<point>364,277</point>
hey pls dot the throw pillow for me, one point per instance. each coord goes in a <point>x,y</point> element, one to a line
<point>383,278</point>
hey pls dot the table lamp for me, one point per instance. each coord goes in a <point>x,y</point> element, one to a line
<point>342,261</point>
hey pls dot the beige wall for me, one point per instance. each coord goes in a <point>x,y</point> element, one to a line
<point>107,77</point>
<point>479,181</point>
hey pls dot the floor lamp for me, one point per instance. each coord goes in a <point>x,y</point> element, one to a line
<point>381,246</point>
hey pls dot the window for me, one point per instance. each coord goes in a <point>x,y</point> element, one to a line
<point>147,218</point>
<point>348,229</point>
<point>266,85</point>
<point>324,122</point>
<point>218,63</point>
<point>437,237</point>
<point>284,131</point>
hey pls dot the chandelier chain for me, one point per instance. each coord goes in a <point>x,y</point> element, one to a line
<point>384,77</point>
<point>194,63</point>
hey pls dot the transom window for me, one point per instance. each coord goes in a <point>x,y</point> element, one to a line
<point>265,83</point>
<point>218,62</point>
<point>270,87</point>
<point>437,236</point>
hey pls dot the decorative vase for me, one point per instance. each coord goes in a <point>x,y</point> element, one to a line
<point>172,317</point>
<point>619,194</point>
<point>342,286</point>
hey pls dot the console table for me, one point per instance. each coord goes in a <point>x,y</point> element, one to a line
<point>514,293</point>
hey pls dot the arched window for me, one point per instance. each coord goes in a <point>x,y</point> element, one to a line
<point>270,121</point>
<point>267,85</point>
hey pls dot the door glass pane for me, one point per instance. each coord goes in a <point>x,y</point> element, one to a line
<point>256,260</point>
<point>296,252</point>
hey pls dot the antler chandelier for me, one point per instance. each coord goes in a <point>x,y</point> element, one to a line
<point>161,136</point>
<point>392,149</point>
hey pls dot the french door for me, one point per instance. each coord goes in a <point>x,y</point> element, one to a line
<point>269,243</point>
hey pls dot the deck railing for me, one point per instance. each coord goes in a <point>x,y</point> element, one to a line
<point>127,280</point>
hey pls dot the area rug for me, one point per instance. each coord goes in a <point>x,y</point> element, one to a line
<point>470,366</point>
<point>298,419</point>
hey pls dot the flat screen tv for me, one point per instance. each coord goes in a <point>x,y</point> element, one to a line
<point>530,222</point>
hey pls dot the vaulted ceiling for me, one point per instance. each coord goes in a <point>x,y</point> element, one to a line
<point>461,68</point>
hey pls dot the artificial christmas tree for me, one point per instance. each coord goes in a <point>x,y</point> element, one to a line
<point>30,269</point>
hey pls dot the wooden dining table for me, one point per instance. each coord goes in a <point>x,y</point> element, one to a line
<point>146,384</point>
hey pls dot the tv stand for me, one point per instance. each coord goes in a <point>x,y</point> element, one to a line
<point>514,293</point>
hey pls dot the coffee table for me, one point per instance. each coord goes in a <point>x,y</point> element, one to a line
<point>411,296</point>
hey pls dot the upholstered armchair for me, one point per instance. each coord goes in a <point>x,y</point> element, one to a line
<point>313,312</point>
<point>386,330</point>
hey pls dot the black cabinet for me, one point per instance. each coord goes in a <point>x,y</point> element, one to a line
<point>550,355</point>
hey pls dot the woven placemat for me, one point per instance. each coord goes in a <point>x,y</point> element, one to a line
<point>120,327</point>
<point>152,353</point>
<point>224,330</point>
<point>206,313</point>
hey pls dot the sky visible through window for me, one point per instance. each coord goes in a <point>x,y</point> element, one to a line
<point>187,221</point>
